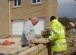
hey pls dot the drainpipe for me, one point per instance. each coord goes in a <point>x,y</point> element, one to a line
<point>9,18</point>
<point>0,17</point>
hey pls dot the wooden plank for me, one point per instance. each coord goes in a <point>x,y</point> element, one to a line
<point>7,50</point>
<point>15,52</point>
<point>12,51</point>
<point>41,47</point>
<point>23,53</point>
<point>32,51</point>
<point>43,52</point>
<point>41,40</point>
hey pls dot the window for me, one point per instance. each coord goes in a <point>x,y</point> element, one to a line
<point>40,26</point>
<point>36,1</point>
<point>17,2</point>
<point>17,27</point>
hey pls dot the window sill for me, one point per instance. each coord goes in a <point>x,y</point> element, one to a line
<point>16,6</point>
<point>36,3</point>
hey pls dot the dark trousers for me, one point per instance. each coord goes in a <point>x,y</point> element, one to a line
<point>24,45</point>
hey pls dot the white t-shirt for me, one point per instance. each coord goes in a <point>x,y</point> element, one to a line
<point>28,32</point>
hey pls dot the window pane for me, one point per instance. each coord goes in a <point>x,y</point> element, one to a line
<point>34,1</point>
<point>38,0</point>
<point>19,2</point>
<point>40,26</point>
<point>15,2</point>
<point>17,27</point>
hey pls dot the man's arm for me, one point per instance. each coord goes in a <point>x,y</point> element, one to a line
<point>54,32</point>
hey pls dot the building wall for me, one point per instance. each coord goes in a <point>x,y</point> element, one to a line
<point>4,19</point>
<point>51,10</point>
<point>46,9</point>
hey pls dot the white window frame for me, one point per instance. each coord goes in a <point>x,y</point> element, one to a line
<point>36,2</point>
<point>16,4</point>
<point>17,22</point>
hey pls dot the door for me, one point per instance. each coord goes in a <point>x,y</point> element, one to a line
<point>40,26</point>
<point>17,27</point>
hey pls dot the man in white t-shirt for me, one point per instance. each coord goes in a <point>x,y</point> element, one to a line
<point>28,34</point>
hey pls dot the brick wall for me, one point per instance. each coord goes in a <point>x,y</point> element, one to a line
<point>4,19</point>
<point>46,9</point>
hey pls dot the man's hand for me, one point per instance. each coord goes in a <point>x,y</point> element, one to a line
<point>33,40</point>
